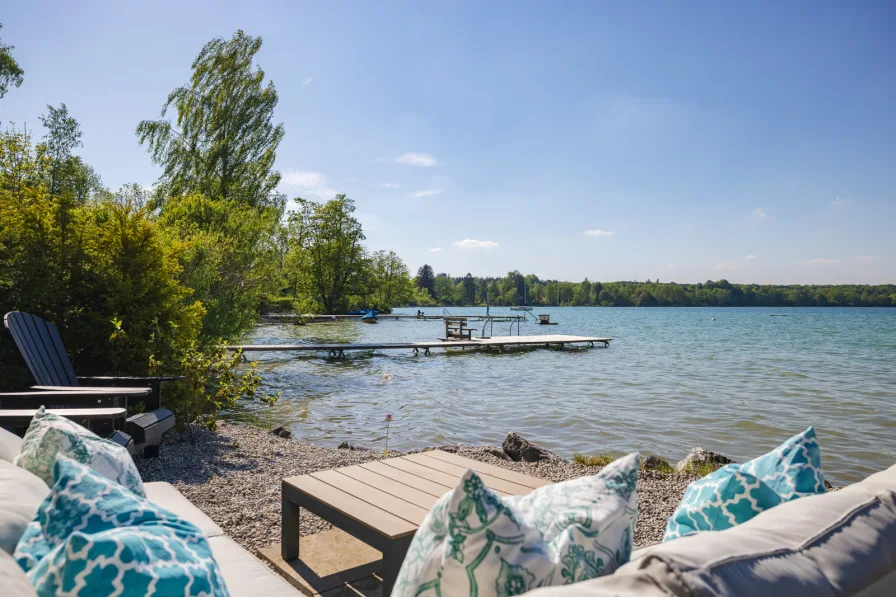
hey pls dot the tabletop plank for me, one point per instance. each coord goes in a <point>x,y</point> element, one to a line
<point>489,469</point>
<point>448,468</point>
<point>374,497</point>
<point>426,472</point>
<point>348,505</point>
<point>390,486</point>
<point>428,486</point>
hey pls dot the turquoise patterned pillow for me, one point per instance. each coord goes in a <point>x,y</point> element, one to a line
<point>92,537</point>
<point>49,436</point>
<point>474,542</point>
<point>737,492</point>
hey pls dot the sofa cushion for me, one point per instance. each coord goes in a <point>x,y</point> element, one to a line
<point>168,497</point>
<point>474,542</point>
<point>244,574</point>
<point>839,544</point>
<point>13,579</point>
<point>21,494</point>
<point>92,537</point>
<point>50,435</point>
<point>736,493</point>
<point>10,445</point>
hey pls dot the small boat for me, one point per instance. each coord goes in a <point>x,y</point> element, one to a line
<point>370,317</point>
<point>521,308</point>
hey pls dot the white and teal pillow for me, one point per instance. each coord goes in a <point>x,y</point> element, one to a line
<point>91,537</point>
<point>736,493</point>
<point>474,542</point>
<point>49,436</point>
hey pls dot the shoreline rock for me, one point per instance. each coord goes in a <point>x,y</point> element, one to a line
<point>699,457</point>
<point>519,449</point>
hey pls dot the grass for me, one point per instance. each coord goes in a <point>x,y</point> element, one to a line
<point>597,460</point>
<point>605,458</point>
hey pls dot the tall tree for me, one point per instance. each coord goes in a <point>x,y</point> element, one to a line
<point>10,71</point>
<point>391,280</point>
<point>63,135</point>
<point>333,260</point>
<point>426,279</point>
<point>224,141</point>
<point>469,289</point>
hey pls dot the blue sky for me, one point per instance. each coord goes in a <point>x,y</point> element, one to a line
<point>682,141</point>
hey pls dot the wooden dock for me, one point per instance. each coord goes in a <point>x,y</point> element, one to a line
<point>496,342</point>
<point>292,317</point>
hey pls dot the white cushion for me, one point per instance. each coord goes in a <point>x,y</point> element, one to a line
<point>474,542</point>
<point>244,574</point>
<point>841,543</point>
<point>21,493</point>
<point>10,445</point>
<point>50,435</point>
<point>166,496</point>
<point>13,581</point>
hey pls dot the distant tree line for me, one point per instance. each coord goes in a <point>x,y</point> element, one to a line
<point>516,288</point>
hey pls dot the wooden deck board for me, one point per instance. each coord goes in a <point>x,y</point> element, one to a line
<point>348,505</point>
<point>457,471</point>
<point>373,496</point>
<point>489,469</point>
<point>429,486</point>
<point>390,486</point>
<point>69,413</point>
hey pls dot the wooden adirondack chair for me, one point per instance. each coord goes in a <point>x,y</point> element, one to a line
<point>41,346</point>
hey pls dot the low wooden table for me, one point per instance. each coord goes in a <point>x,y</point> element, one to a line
<point>383,502</point>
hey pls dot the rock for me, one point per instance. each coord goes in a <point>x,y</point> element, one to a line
<point>496,452</point>
<point>828,486</point>
<point>346,446</point>
<point>654,463</point>
<point>520,449</point>
<point>282,432</point>
<point>699,456</point>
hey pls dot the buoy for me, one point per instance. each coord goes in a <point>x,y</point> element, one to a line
<point>713,318</point>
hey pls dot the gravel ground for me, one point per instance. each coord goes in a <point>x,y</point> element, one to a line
<point>234,476</point>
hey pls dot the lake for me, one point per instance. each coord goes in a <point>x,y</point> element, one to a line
<point>672,379</point>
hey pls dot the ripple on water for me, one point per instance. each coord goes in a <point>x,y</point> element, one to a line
<point>672,379</point>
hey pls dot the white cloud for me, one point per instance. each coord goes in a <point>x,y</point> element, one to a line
<point>759,212</point>
<point>388,185</point>
<point>751,257</point>
<point>417,159</point>
<point>429,193</point>
<point>436,250</point>
<point>822,261</point>
<point>866,257</point>
<point>306,182</point>
<point>307,81</point>
<point>726,266</point>
<point>838,202</point>
<point>598,233</point>
<point>469,243</point>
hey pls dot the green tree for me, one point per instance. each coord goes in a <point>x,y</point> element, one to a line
<point>469,291</point>
<point>10,71</point>
<point>391,281</point>
<point>224,141</point>
<point>426,279</point>
<point>333,261</point>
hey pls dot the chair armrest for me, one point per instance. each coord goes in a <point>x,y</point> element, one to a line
<point>102,380</point>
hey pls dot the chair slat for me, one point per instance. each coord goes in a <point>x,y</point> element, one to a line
<point>40,350</point>
<point>16,323</point>
<point>56,346</point>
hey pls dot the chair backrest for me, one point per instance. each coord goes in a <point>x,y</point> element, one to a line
<point>42,348</point>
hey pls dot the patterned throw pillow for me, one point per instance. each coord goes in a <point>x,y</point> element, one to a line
<point>474,542</point>
<point>737,492</point>
<point>50,436</point>
<point>91,537</point>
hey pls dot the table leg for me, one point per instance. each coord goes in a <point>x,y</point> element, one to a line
<point>393,556</point>
<point>289,529</point>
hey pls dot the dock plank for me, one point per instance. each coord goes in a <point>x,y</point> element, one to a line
<point>496,341</point>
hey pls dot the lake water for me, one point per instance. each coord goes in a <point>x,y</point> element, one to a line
<point>672,379</point>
